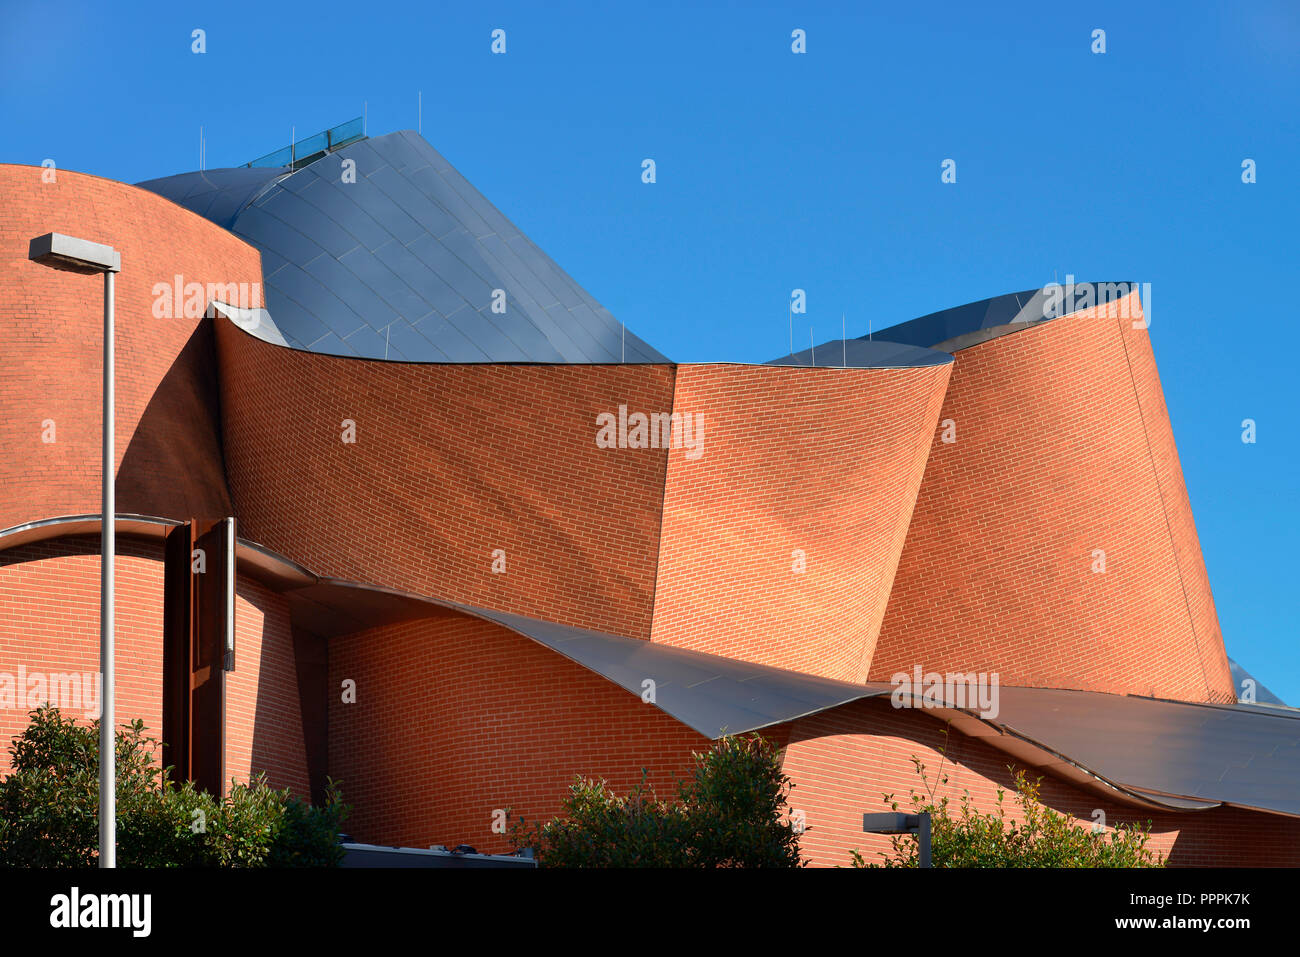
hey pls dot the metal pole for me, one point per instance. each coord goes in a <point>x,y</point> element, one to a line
<point>108,537</point>
<point>923,838</point>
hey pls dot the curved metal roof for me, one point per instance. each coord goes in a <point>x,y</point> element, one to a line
<point>864,354</point>
<point>219,194</point>
<point>403,262</point>
<point>1176,754</point>
<point>960,327</point>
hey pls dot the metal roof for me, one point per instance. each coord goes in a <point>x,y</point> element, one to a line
<point>403,262</point>
<point>218,194</point>
<point>963,326</point>
<point>1177,754</point>
<point>1173,755</point>
<point>1169,755</point>
<point>864,354</point>
<point>710,693</point>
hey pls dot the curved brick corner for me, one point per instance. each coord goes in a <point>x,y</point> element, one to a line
<point>1063,447</point>
<point>450,463</point>
<point>168,447</point>
<point>826,462</point>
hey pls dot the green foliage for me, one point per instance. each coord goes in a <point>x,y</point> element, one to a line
<point>49,807</point>
<point>967,837</point>
<point>730,813</point>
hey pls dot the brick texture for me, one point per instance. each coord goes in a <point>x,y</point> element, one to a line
<point>1063,446</point>
<point>450,463</point>
<point>457,717</point>
<point>49,623</point>
<point>844,760</point>
<point>825,461</point>
<point>51,340</point>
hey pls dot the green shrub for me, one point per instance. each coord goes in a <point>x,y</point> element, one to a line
<point>968,837</point>
<point>730,813</point>
<point>49,808</point>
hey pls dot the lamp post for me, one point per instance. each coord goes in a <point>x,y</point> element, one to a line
<point>80,255</point>
<point>894,823</point>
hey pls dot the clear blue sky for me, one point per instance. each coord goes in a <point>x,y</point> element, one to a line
<point>777,171</point>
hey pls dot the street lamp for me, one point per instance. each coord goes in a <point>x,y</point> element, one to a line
<point>894,823</point>
<point>80,255</point>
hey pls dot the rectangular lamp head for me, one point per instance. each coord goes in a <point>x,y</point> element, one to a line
<point>78,253</point>
<point>891,823</point>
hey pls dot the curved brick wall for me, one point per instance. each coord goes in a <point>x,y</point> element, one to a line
<point>49,623</point>
<point>1063,446</point>
<point>826,461</point>
<point>456,717</point>
<point>450,463</point>
<point>51,321</point>
<point>843,760</point>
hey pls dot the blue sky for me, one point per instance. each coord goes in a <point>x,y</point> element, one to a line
<point>819,171</point>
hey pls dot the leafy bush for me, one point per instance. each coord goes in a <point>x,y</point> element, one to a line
<point>730,813</point>
<point>1046,838</point>
<point>49,807</point>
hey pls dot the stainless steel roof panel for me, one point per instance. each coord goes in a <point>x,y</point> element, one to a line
<point>1206,753</point>
<point>712,694</point>
<point>864,354</point>
<point>353,239</point>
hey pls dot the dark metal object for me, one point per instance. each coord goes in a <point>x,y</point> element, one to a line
<point>865,354</point>
<point>893,823</point>
<point>950,330</point>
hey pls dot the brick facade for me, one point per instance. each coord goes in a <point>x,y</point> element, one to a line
<point>844,760</point>
<point>825,462</point>
<point>975,555</point>
<point>1063,447</point>
<point>450,463</point>
<point>51,339</point>
<point>49,623</point>
<point>457,717</point>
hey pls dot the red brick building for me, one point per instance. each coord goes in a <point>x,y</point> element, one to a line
<point>454,591</point>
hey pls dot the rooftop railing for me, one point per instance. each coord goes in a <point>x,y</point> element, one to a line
<point>311,148</point>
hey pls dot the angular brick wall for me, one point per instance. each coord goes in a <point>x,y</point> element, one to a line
<point>842,761</point>
<point>1063,446</point>
<point>49,622</point>
<point>456,717</point>
<point>825,461</point>
<point>450,463</point>
<point>1181,524</point>
<point>51,322</point>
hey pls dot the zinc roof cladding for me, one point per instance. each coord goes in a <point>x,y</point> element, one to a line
<point>403,262</point>
<point>864,354</point>
<point>962,326</point>
<point>712,694</point>
<point>219,195</point>
<point>1222,754</point>
<point>1185,755</point>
